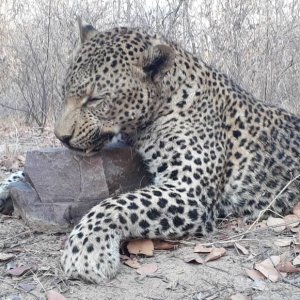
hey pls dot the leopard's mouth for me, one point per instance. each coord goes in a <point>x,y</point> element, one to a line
<point>105,140</point>
<point>94,147</point>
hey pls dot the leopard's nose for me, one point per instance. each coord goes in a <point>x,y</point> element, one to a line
<point>65,139</point>
<point>63,133</point>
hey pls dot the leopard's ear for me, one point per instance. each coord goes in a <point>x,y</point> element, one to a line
<point>86,31</point>
<point>157,61</point>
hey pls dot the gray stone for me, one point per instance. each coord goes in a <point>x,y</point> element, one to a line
<point>39,216</point>
<point>63,186</point>
<point>59,176</point>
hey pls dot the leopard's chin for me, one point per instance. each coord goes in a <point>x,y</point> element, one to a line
<point>106,142</point>
<point>94,147</point>
<point>86,152</point>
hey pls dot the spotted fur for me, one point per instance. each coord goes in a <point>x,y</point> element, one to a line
<point>213,149</point>
<point>5,202</point>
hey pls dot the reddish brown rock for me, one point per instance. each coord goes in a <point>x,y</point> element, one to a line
<point>63,186</point>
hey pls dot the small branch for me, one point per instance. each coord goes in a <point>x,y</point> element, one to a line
<point>12,108</point>
<point>272,202</point>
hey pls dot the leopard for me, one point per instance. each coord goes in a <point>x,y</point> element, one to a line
<point>213,150</point>
<point>6,205</point>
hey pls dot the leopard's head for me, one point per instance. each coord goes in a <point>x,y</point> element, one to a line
<point>113,85</point>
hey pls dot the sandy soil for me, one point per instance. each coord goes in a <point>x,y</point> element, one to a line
<point>174,279</point>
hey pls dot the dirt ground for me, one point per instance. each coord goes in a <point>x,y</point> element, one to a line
<point>174,279</point>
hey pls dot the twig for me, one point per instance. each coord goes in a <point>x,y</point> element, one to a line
<point>13,108</point>
<point>261,213</point>
<point>225,242</point>
<point>17,235</point>
<point>38,281</point>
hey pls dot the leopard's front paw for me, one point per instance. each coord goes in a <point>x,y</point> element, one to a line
<point>91,253</point>
<point>6,205</point>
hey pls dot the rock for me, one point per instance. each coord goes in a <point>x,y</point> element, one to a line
<point>58,175</point>
<point>64,186</point>
<point>41,217</point>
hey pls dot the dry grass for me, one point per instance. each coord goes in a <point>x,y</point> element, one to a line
<point>17,138</point>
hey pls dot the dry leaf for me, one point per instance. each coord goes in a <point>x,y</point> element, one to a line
<point>193,258</point>
<point>145,247</point>
<point>202,249</point>
<point>239,297</point>
<point>296,261</point>
<point>241,248</point>
<point>296,210</point>
<point>163,245</point>
<point>291,221</point>
<point>283,275</point>
<point>147,269</point>
<point>27,286</point>
<point>215,253</point>
<point>294,229</point>
<point>267,268</point>
<point>261,225</point>
<point>18,271</point>
<point>6,256</point>
<point>287,267</point>
<point>283,242</point>
<point>276,222</point>
<point>298,237</point>
<point>53,295</point>
<point>297,248</point>
<point>254,274</point>
<point>274,260</point>
<point>132,263</point>
<point>259,285</point>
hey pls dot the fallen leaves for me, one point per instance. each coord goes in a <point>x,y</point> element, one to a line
<point>267,268</point>
<point>145,247</point>
<point>291,221</point>
<point>202,249</point>
<point>147,269</point>
<point>213,253</point>
<point>18,271</point>
<point>132,263</point>
<point>283,242</point>
<point>272,268</point>
<point>296,261</point>
<point>27,287</point>
<point>254,274</point>
<point>276,224</point>
<point>287,267</point>
<point>163,245</point>
<point>241,249</point>
<point>53,295</point>
<point>193,258</point>
<point>6,256</point>
<point>296,210</point>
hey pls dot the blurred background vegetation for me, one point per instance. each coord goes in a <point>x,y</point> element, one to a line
<point>255,42</point>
